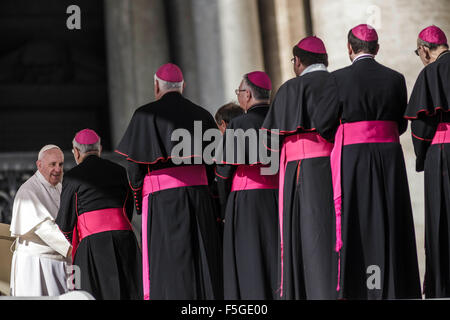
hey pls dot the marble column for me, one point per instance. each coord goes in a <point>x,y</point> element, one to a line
<point>240,36</point>
<point>283,24</point>
<point>398,22</point>
<point>137,45</point>
<point>215,43</point>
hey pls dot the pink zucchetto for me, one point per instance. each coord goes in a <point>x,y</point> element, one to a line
<point>434,35</point>
<point>312,44</point>
<point>260,79</point>
<point>170,73</point>
<point>87,136</point>
<point>365,32</point>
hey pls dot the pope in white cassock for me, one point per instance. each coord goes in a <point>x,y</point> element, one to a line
<point>42,251</point>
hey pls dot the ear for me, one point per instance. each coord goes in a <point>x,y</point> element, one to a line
<point>350,49</point>
<point>378,48</point>
<point>248,95</point>
<point>157,89</point>
<point>100,151</point>
<point>38,164</point>
<point>298,62</point>
<point>427,52</point>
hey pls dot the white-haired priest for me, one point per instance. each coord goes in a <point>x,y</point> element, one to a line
<point>42,251</point>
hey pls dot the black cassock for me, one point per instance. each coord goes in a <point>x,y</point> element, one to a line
<point>183,245</point>
<point>251,223</point>
<point>309,260</point>
<point>428,107</point>
<point>378,257</point>
<point>109,261</point>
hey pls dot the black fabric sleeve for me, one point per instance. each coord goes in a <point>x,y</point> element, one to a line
<point>423,130</point>
<point>402,122</point>
<point>327,112</point>
<point>136,174</point>
<point>67,214</point>
<point>129,205</point>
<point>224,177</point>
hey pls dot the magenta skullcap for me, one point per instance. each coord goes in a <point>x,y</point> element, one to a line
<point>170,73</point>
<point>87,136</point>
<point>312,44</point>
<point>365,32</point>
<point>434,35</point>
<point>260,79</point>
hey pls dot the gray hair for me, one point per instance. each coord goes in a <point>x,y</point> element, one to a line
<point>46,148</point>
<point>431,46</point>
<point>165,85</point>
<point>85,148</point>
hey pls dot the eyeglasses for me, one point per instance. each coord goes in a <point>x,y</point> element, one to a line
<point>237,91</point>
<point>293,60</point>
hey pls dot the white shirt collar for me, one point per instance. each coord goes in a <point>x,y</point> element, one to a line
<point>363,56</point>
<point>313,68</point>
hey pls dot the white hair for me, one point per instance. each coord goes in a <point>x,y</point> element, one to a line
<point>46,148</point>
<point>166,85</point>
<point>84,148</point>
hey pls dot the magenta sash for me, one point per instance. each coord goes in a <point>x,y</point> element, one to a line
<point>355,133</point>
<point>250,178</point>
<point>159,180</point>
<point>297,147</point>
<point>442,134</point>
<point>97,221</point>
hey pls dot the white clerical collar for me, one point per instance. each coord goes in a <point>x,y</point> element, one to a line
<point>313,68</point>
<point>44,181</point>
<point>363,56</point>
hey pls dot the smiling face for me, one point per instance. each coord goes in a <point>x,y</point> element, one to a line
<point>51,166</point>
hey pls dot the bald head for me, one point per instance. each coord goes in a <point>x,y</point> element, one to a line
<point>50,164</point>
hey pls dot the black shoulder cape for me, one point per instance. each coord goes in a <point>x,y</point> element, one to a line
<point>291,108</point>
<point>246,152</point>
<point>432,89</point>
<point>147,139</point>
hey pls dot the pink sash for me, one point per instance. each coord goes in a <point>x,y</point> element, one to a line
<point>297,147</point>
<point>159,180</point>
<point>442,134</point>
<point>97,221</point>
<point>355,133</point>
<point>250,178</point>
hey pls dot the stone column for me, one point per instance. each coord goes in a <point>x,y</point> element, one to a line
<point>398,23</point>
<point>215,43</point>
<point>283,24</point>
<point>183,48</point>
<point>208,47</point>
<point>137,45</point>
<point>240,41</point>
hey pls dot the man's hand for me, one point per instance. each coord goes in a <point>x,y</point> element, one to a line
<point>69,254</point>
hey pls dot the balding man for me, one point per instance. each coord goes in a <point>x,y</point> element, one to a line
<point>180,239</point>
<point>430,125</point>
<point>361,109</point>
<point>39,260</point>
<point>95,214</point>
<point>250,201</point>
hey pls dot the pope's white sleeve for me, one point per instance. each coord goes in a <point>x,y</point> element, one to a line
<point>49,232</point>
